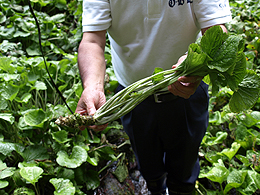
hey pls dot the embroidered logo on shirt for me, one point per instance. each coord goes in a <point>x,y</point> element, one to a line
<point>172,3</point>
<point>222,5</point>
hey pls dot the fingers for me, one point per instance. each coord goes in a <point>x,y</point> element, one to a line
<point>183,90</point>
<point>88,104</point>
<point>95,128</point>
<point>190,79</point>
<point>98,128</point>
<point>185,86</point>
<point>181,59</point>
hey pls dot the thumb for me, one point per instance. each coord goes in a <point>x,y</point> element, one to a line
<point>91,109</point>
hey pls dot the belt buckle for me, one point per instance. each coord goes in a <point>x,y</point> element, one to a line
<point>157,96</point>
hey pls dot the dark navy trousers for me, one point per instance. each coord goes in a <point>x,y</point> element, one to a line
<point>166,137</point>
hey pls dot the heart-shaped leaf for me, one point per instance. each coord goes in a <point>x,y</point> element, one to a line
<point>31,174</point>
<point>63,186</point>
<point>78,156</point>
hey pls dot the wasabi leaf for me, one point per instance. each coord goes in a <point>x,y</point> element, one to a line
<point>31,174</point>
<point>247,94</point>
<point>35,118</point>
<point>63,186</point>
<point>78,156</point>
<point>212,40</point>
<point>3,183</point>
<point>158,77</point>
<point>226,55</point>
<point>238,72</point>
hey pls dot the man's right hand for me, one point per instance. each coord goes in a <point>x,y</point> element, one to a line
<point>89,102</point>
<point>92,68</point>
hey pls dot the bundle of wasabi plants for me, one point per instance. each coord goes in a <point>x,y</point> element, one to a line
<point>216,56</point>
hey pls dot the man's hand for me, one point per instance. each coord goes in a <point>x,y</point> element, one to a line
<point>92,68</point>
<point>89,102</point>
<point>185,86</point>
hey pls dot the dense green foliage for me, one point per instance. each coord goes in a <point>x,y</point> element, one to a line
<point>39,157</point>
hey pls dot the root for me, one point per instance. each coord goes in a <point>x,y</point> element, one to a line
<point>76,120</point>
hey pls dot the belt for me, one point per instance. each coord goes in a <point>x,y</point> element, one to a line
<point>164,96</point>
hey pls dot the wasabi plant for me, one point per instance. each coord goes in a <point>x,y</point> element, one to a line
<point>217,56</point>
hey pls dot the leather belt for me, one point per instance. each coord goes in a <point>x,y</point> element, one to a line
<point>164,96</point>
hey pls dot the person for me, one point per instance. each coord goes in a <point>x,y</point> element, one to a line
<point>166,129</point>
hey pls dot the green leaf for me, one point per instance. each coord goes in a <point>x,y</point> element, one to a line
<point>2,165</point>
<point>61,136</point>
<point>24,99</point>
<point>256,114</point>
<point>77,157</point>
<point>92,161</point>
<point>247,119</point>
<point>212,40</point>
<point>234,180</point>
<point>21,34</point>
<point>247,94</point>
<point>215,118</point>
<point>3,104</point>
<point>231,152</point>
<point>42,2</point>
<point>3,184</point>
<point>121,172</point>
<point>65,173</point>
<point>7,117</point>
<point>39,85</point>
<point>8,77</point>
<point>212,157</point>
<point>243,99</point>
<point>63,186</point>
<point>243,159</point>
<point>238,73</point>
<point>241,132</point>
<point>23,191</point>
<point>5,64</point>
<point>57,18</point>
<point>226,55</point>
<point>35,118</point>
<point>10,92</point>
<point>92,179</point>
<point>5,171</point>
<point>33,50</point>
<point>251,80</point>
<point>216,174</point>
<point>195,61</point>
<point>220,137</point>
<point>6,148</point>
<point>35,152</point>
<point>2,18</point>
<point>31,174</point>
<point>158,77</point>
<point>251,183</point>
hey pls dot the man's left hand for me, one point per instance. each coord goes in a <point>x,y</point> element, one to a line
<point>186,85</point>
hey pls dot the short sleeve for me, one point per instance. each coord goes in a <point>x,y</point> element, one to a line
<point>213,12</point>
<point>96,15</point>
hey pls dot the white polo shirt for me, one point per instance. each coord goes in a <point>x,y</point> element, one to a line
<point>145,34</point>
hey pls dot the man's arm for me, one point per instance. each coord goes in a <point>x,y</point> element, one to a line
<point>91,60</point>
<point>92,67</point>
<point>186,86</point>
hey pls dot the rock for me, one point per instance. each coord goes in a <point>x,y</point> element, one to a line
<point>134,184</point>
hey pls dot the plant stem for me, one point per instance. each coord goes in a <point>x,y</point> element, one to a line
<point>36,98</point>
<point>110,163</point>
<point>124,101</point>
<point>36,189</point>
<point>221,187</point>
